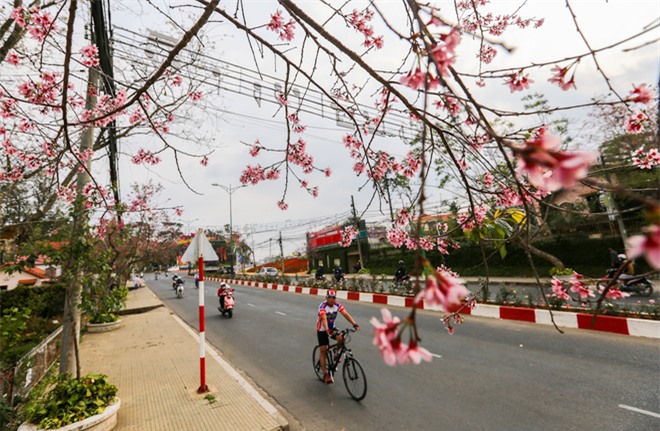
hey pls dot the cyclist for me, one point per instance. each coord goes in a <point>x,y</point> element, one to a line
<point>325,326</point>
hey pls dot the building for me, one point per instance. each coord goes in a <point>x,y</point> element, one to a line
<point>25,277</point>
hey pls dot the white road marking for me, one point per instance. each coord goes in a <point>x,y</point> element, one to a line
<point>251,305</point>
<point>635,409</point>
<point>436,356</point>
<point>280,313</point>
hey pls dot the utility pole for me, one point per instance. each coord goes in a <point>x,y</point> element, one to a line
<point>103,42</point>
<point>281,251</point>
<point>613,206</point>
<point>357,225</point>
<point>254,256</point>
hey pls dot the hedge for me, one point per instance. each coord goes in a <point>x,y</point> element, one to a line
<point>44,301</point>
<point>587,256</point>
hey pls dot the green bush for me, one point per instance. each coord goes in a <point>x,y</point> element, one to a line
<point>20,331</point>
<point>102,303</point>
<point>554,271</point>
<point>71,400</point>
<point>45,301</point>
<point>364,271</point>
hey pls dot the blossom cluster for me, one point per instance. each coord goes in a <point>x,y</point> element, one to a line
<point>347,236</point>
<point>547,167</point>
<point>360,22</point>
<point>388,340</point>
<point>646,160</point>
<point>39,23</point>
<point>277,24</point>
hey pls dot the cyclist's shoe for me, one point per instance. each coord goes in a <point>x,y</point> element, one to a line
<point>328,379</point>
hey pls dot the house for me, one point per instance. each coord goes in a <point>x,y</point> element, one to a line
<point>26,277</point>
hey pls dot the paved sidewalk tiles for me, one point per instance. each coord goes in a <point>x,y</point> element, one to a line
<point>154,361</point>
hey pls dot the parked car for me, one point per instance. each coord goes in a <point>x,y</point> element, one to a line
<point>267,270</point>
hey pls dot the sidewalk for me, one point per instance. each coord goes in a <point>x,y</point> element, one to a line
<point>154,361</point>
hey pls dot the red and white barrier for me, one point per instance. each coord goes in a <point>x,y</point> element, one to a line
<point>564,319</point>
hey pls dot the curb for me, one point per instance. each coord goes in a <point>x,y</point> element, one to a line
<point>564,319</point>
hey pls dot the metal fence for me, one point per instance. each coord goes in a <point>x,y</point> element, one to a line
<point>32,367</point>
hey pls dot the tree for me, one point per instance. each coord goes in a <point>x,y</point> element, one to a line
<point>428,84</point>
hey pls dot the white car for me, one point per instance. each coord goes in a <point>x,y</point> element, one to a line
<point>267,270</point>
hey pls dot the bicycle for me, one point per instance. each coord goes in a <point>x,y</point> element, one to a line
<point>354,378</point>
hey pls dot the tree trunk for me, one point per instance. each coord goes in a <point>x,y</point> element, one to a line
<point>69,360</point>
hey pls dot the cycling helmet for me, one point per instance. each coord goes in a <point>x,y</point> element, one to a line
<point>331,294</point>
<point>622,256</point>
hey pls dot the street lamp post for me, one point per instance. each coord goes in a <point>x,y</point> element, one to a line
<point>230,190</point>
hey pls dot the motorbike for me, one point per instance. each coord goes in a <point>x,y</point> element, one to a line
<point>628,283</point>
<point>226,299</point>
<point>178,286</point>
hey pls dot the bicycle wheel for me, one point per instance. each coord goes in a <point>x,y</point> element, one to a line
<point>354,379</point>
<point>316,355</point>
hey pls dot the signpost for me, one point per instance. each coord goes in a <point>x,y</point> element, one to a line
<point>199,248</point>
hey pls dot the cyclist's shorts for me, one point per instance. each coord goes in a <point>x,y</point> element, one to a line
<point>324,339</point>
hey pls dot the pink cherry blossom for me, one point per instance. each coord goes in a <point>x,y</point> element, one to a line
<point>145,157</point>
<point>641,94</point>
<point>634,123</point>
<point>195,96</point>
<point>578,286</point>
<point>549,168</point>
<point>277,25</point>
<point>252,175</point>
<point>386,336</point>
<point>282,205</point>
<point>559,78</point>
<point>176,81</point>
<point>12,58</point>
<point>347,236</point>
<point>204,161</point>
<point>558,290</point>
<point>397,237</point>
<point>414,80</point>
<point>647,244</point>
<point>254,151</point>
<point>518,82</point>
<point>442,289</point>
<point>19,15</point>
<point>487,54</point>
<point>327,172</point>
<point>646,160</point>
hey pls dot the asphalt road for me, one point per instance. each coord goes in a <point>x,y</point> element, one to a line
<point>489,375</point>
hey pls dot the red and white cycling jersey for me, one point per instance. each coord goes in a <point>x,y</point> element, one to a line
<point>330,312</point>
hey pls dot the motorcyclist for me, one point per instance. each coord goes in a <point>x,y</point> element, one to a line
<point>401,275</point>
<point>175,281</point>
<point>222,292</point>
<point>628,269</point>
<point>320,273</point>
<point>339,273</point>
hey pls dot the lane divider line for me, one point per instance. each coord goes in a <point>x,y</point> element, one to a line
<point>280,313</point>
<point>436,356</point>
<point>644,412</point>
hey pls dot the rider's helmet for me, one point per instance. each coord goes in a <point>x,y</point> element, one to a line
<point>622,256</point>
<point>400,262</point>
<point>331,294</point>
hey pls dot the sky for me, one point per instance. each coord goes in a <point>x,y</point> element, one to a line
<point>230,122</point>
